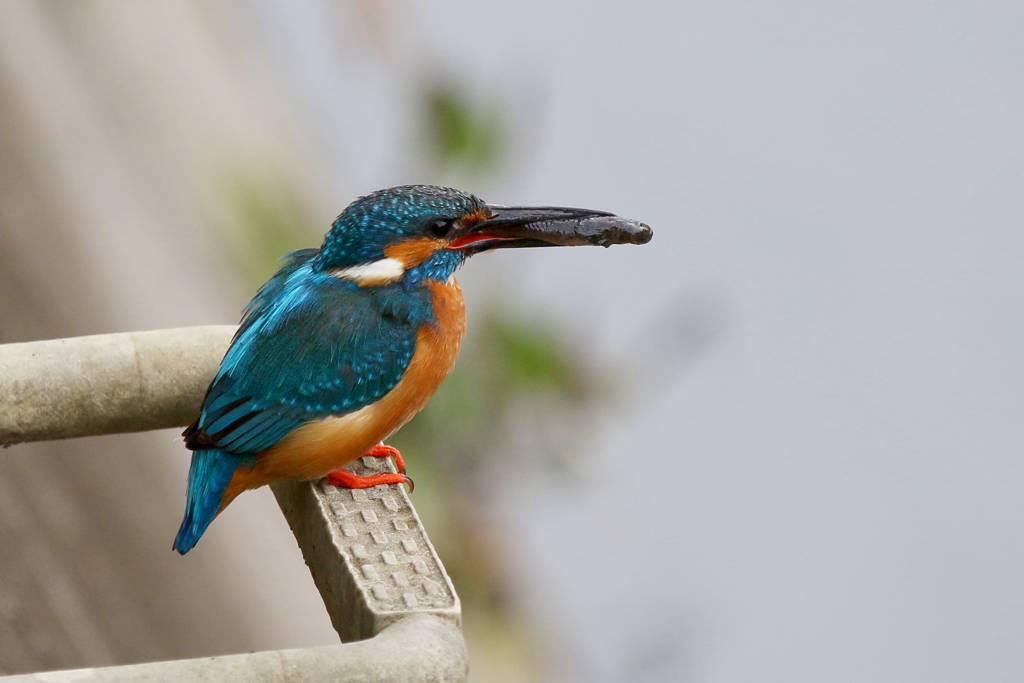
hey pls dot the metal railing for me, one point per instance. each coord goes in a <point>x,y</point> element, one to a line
<point>384,587</point>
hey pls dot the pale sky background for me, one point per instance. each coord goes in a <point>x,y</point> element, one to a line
<point>832,491</point>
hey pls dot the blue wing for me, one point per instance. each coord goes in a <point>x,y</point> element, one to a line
<point>310,346</point>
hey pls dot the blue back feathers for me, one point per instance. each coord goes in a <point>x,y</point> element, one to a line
<point>310,346</point>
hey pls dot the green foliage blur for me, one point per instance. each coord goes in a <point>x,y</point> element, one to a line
<point>264,218</point>
<point>513,374</point>
<point>461,133</point>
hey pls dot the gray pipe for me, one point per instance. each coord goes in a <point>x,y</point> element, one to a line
<point>415,649</point>
<point>107,383</point>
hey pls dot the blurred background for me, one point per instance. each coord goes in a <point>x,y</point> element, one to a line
<point>783,442</point>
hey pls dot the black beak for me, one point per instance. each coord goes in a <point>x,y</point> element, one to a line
<point>548,226</point>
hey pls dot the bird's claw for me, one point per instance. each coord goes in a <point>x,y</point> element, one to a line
<point>346,479</point>
<point>382,451</point>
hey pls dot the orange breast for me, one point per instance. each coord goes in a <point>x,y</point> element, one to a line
<point>315,449</point>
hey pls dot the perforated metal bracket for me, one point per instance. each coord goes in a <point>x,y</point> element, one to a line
<point>368,552</point>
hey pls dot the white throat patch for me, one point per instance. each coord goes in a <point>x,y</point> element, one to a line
<point>382,272</point>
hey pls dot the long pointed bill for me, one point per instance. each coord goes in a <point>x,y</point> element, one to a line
<point>549,226</point>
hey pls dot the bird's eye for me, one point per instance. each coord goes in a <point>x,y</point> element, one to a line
<point>441,227</point>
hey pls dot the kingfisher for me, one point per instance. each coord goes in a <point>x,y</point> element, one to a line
<point>346,343</point>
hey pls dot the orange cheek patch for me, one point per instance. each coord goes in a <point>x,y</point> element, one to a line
<point>413,252</point>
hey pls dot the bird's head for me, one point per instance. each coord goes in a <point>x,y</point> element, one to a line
<point>425,231</point>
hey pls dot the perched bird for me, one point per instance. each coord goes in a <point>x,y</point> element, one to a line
<point>347,342</point>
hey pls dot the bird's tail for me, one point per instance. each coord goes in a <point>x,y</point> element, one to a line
<point>208,476</point>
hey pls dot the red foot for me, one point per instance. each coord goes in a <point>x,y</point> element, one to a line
<point>348,480</point>
<point>382,451</point>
